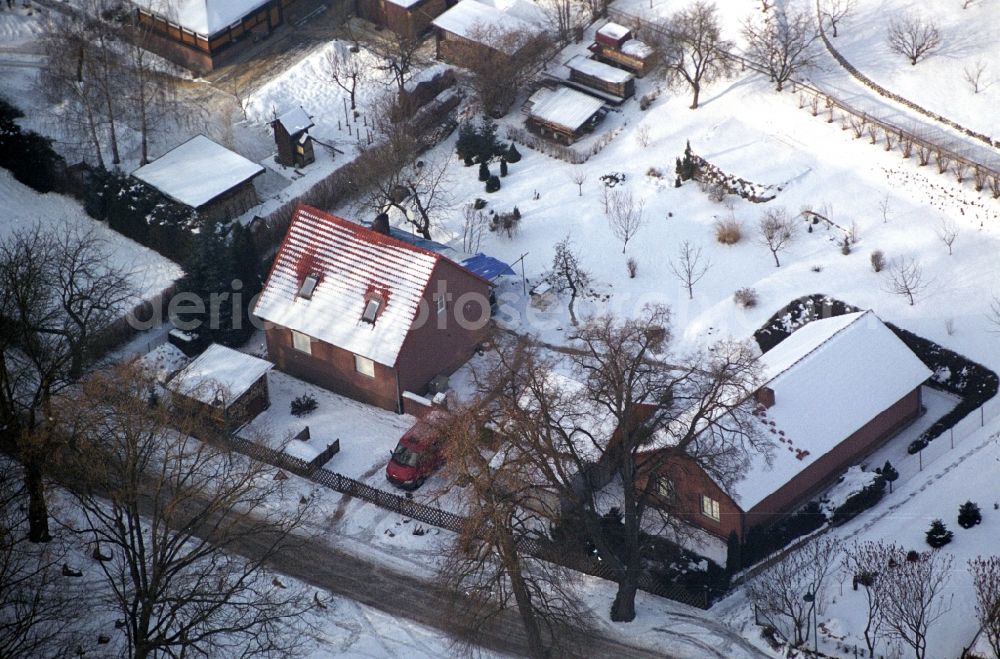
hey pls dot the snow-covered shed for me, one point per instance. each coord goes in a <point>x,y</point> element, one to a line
<point>471,26</point>
<point>833,391</point>
<point>601,76</point>
<point>367,315</point>
<point>295,147</point>
<point>205,176</point>
<point>201,34</point>
<point>563,114</point>
<point>224,384</point>
<point>614,44</point>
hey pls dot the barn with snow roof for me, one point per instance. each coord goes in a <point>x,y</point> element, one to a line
<point>834,391</point>
<point>367,315</point>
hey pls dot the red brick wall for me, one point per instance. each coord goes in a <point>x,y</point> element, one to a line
<point>333,368</point>
<point>433,348</point>
<point>690,483</point>
<point>828,467</point>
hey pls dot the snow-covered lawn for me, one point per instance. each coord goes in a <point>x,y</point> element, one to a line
<point>24,209</point>
<point>969,37</point>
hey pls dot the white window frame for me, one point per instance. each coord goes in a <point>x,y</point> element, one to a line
<point>710,508</point>
<point>302,342</point>
<point>364,366</point>
<point>442,303</point>
<point>665,488</point>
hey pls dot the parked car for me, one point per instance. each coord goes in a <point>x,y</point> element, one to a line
<point>418,454</point>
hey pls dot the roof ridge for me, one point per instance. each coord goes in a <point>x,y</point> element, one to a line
<point>363,232</point>
<point>861,314</point>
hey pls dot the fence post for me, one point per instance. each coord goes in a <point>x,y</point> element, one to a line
<point>920,454</point>
<point>951,431</point>
<point>982,415</point>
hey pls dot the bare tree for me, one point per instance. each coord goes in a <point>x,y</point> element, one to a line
<point>865,562</point>
<point>35,608</point>
<point>642,135</point>
<point>579,178</point>
<point>993,315</point>
<point>57,294</point>
<point>792,589</point>
<point>974,74</point>
<point>147,91</point>
<point>625,215</point>
<point>598,9</point>
<point>913,37</point>
<point>173,513</point>
<point>501,69</point>
<point>689,267</point>
<point>398,56</point>
<point>692,48</point>
<point>568,274</point>
<point>986,580</point>
<point>782,42</point>
<point>912,595</point>
<point>835,11</point>
<point>948,232</point>
<point>473,225</point>
<point>906,278</point>
<point>485,564</point>
<point>345,69</point>
<point>560,17</point>
<point>776,230</point>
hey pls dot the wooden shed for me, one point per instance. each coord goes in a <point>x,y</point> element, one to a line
<point>563,114</point>
<point>407,18</point>
<point>614,44</point>
<point>602,77</point>
<point>226,385</point>
<point>205,176</point>
<point>295,146</point>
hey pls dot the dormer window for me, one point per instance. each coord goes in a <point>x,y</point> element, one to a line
<point>372,307</point>
<point>308,286</point>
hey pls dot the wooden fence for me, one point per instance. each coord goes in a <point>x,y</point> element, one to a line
<point>947,157</point>
<point>453,522</point>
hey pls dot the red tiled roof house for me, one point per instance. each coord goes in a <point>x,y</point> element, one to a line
<point>835,390</point>
<point>366,315</point>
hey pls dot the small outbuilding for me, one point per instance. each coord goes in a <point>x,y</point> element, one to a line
<point>471,28</point>
<point>602,77</point>
<point>223,384</point>
<point>205,176</point>
<point>615,45</point>
<point>407,18</point>
<point>563,114</point>
<point>291,136</point>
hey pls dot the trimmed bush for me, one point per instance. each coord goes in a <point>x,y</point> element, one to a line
<point>28,155</point>
<point>484,172</point>
<point>513,155</point>
<point>969,515</point>
<point>493,184</point>
<point>878,260</point>
<point>859,502</point>
<point>303,405</point>
<point>938,534</point>
<point>763,540</point>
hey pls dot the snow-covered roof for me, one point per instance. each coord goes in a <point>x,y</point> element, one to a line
<point>477,20</point>
<point>405,4</point>
<point>614,31</point>
<point>353,264</point>
<point>564,107</point>
<point>206,17</point>
<point>295,120</point>
<point>830,378</point>
<point>219,374</point>
<point>599,70</point>
<point>197,171</point>
<point>637,49</point>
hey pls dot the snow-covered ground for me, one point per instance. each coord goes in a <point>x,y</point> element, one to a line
<point>24,210</point>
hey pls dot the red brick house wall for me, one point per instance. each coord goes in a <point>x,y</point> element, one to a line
<point>430,349</point>
<point>690,481</point>
<point>332,368</point>
<point>427,350</point>
<point>828,467</point>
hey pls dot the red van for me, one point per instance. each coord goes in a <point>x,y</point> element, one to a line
<point>418,454</point>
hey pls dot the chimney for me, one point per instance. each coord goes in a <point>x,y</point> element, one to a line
<point>765,396</point>
<point>381,224</point>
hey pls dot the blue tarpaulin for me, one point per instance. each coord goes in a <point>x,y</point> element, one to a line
<point>487,267</point>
